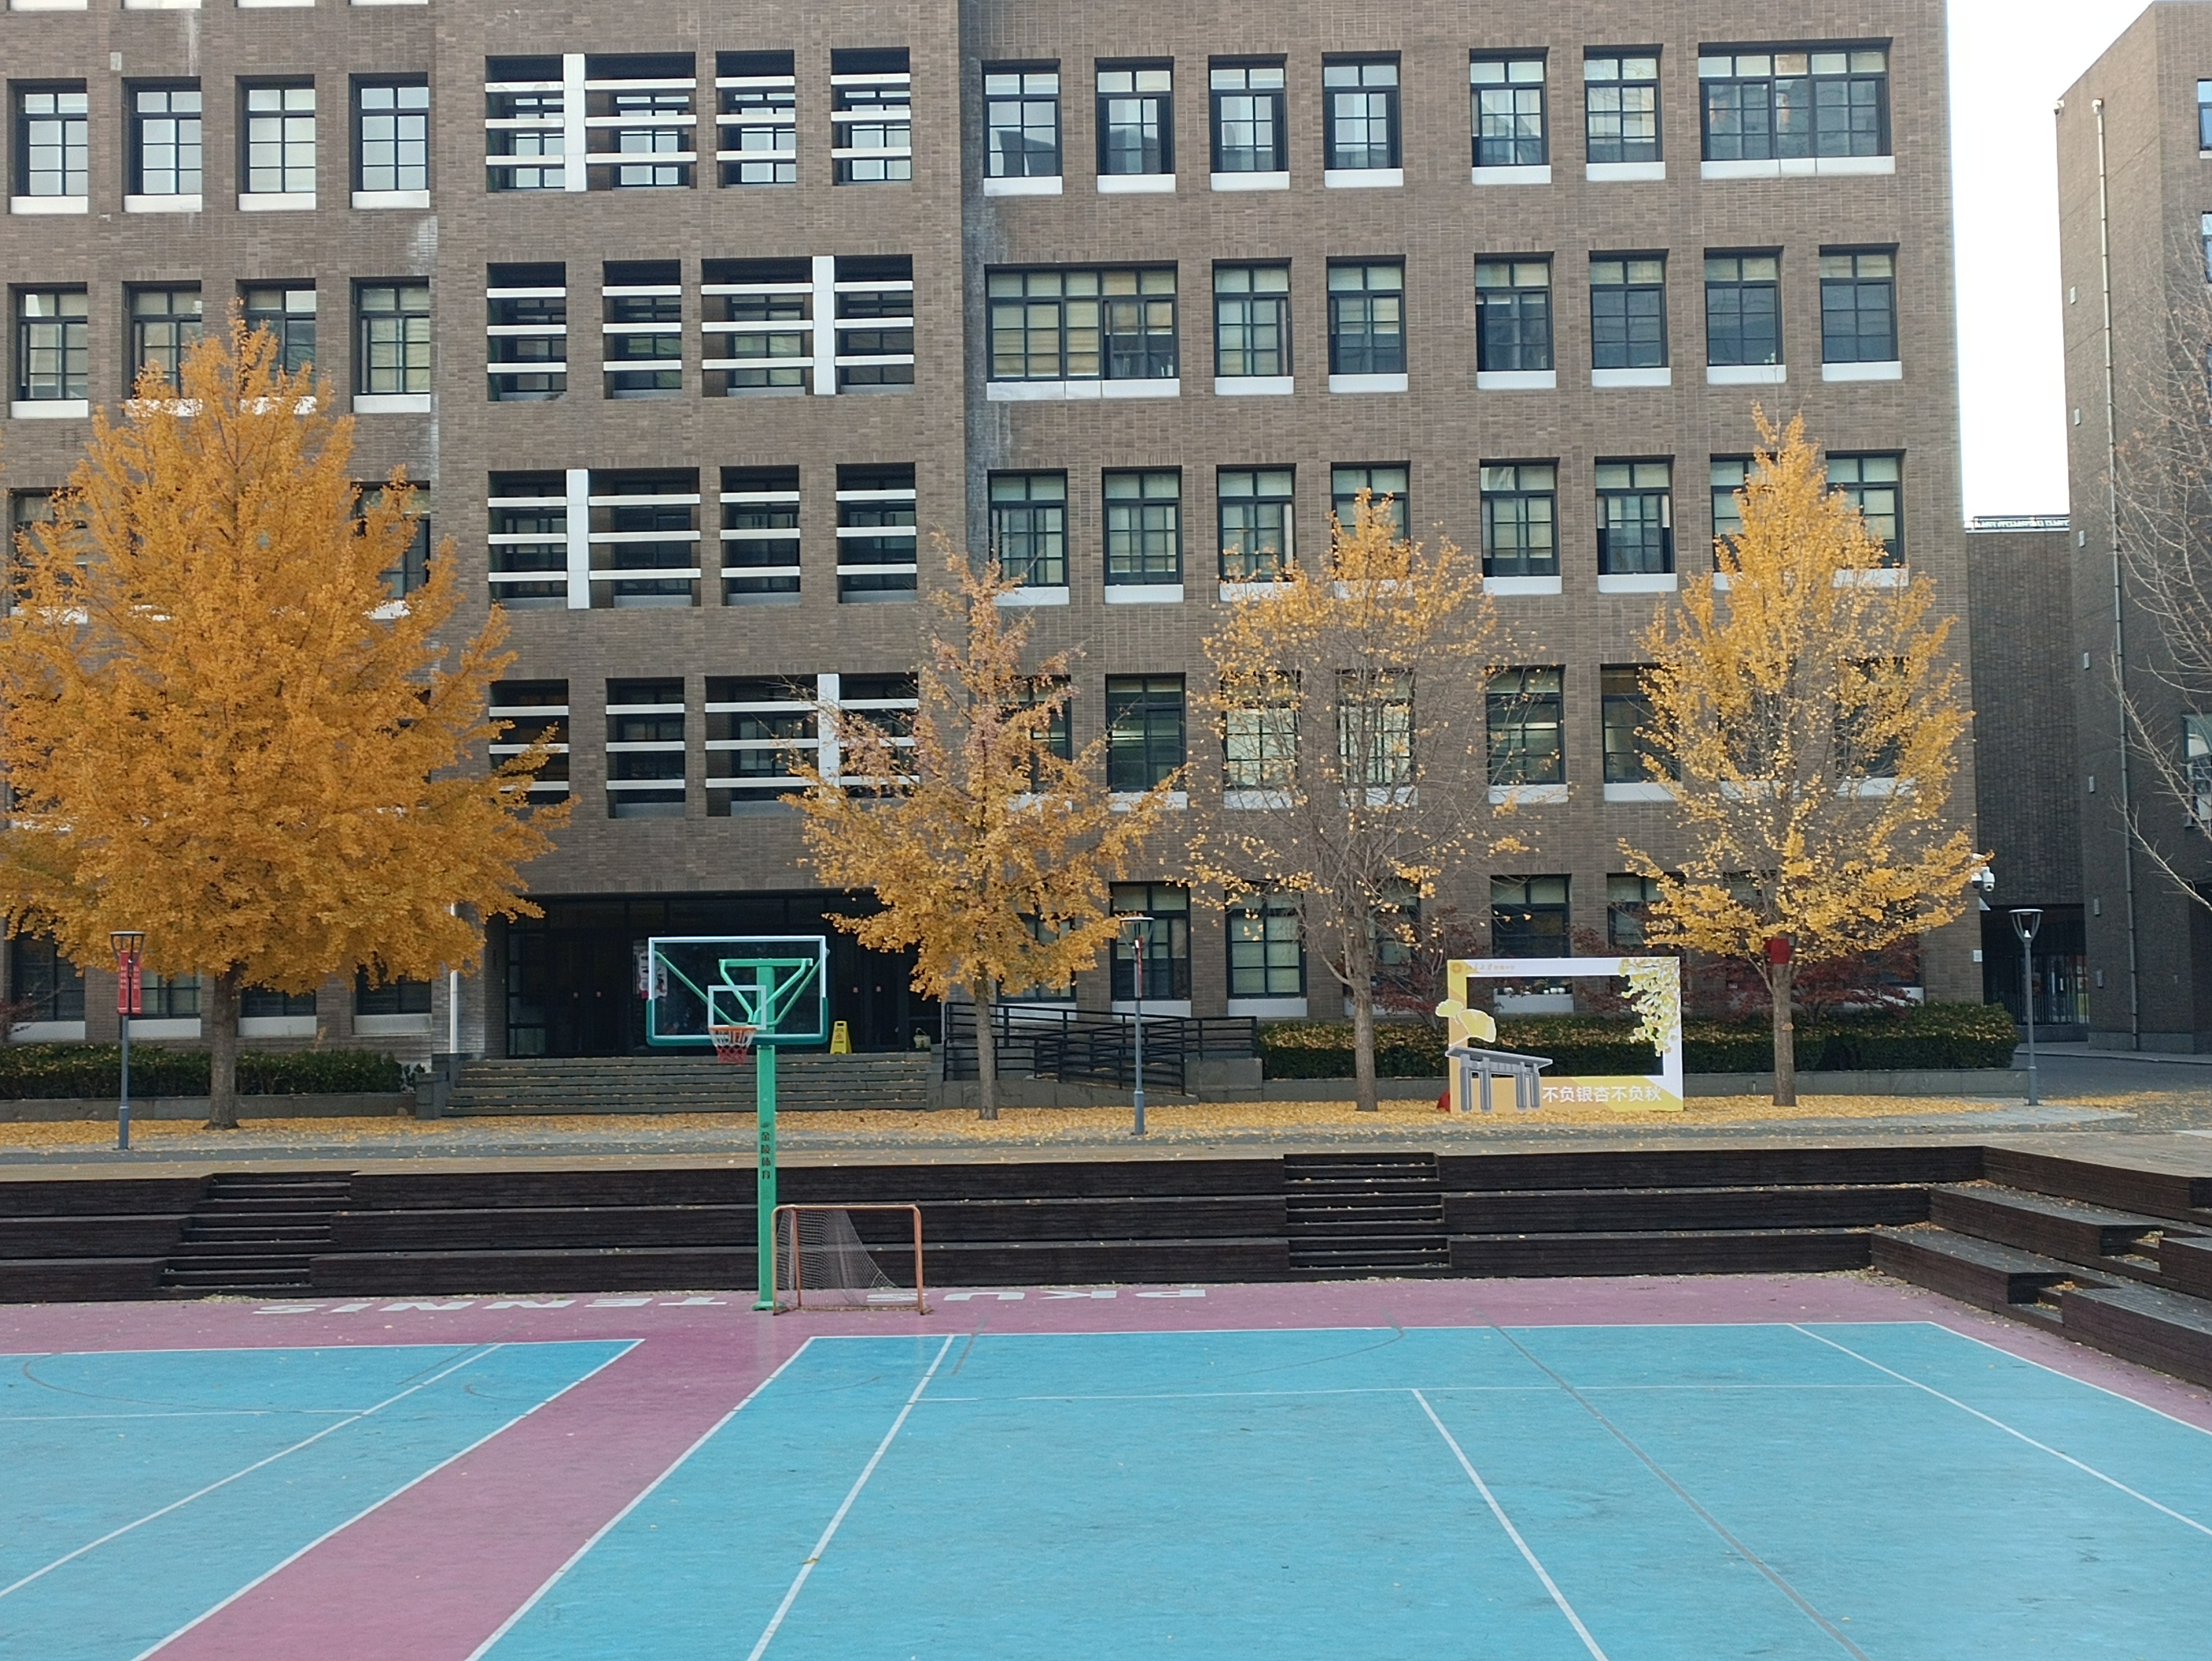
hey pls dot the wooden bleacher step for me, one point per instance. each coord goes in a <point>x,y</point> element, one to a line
<point>255,1234</point>
<point>1350,1215</point>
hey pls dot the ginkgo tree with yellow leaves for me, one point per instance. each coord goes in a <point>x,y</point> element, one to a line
<point>1809,720</point>
<point>217,726</point>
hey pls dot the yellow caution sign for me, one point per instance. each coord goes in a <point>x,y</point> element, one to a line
<point>841,1039</point>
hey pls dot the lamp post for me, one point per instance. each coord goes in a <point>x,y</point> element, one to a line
<point>2026,920</point>
<point>1137,934</point>
<point>130,946</point>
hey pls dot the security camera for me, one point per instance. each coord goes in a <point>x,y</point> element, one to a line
<point>1984,878</point>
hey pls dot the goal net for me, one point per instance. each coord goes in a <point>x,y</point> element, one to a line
<point>822,1262</point>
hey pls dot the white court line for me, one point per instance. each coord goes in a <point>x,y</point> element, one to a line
<point>1512,1533</point>
<point>806,1568</point>
<point>2044,1447</point>
<point>476,1353</point>
<point>2057,1372</point>
<point>604,1529</point>
<point>943,1400</point>
<point>412,1481</point>
<point>181,1413</point>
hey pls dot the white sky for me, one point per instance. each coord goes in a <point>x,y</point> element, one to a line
<point>2010,60</point>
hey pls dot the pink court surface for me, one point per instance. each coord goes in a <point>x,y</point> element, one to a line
<point>455,1555</point>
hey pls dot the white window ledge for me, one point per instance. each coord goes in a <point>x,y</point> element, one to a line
<point>1136,184</point>
<point>1254,802</point>
<point>1507,587</point>
<point>1662,376</point>
<point>1527,796</point>
<point>182,1026</point>
<point>49,203</point>
<point>1625,173</point>
<point>1638,582</point>
<point>1516,380</point>
<point>162,204</point>
<point>1270,1009</point>
<point>1161,1007</point>
<point>1648,790</point>
<point>1538,176</point>
<point>276,1027</point>
<point>1029,595</point>
<point>1025,186</point>
<point>1047,391</point>
<point>1144,593</point>
<point>1363,179</point>
<point>1862,371</point>
<point>1722,582</point>
<point>273,5</point>
<point>1882,577</point>
<point>391,3</point>
<point>160,5</point>
<point>392,403</point>
<point>1123,801</point>
<point>1249,181</point>
<point>1874,789</point>
<point>1747,374</point>
<point>389,1026</point>
<point>1253,385</point>
<point>1808,166</point>
<point>1367,383</point>
<point>276,202</point>
<point>53,5</point>
<point>50,408</point>
<point>49,1031</point>
<point>1232,593</point>
<point>390,198</point>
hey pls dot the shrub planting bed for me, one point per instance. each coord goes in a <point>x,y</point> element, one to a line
<point>47,1071</point>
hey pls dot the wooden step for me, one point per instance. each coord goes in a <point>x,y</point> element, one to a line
<point>1983,1273</point>
<point>2170,1331</point>
<point>2067,1229</point>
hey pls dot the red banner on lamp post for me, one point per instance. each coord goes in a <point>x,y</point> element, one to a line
<point>130,985</point>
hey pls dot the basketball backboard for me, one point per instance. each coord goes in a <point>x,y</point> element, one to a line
<point>777,984</point>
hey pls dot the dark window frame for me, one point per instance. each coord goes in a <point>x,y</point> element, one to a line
<point>1023,100</point>
<point>366,347</point>
<point>1608,115</point>
<point>1515,149</point>
<point>1366,330</point>
<point>1169,904</point>
<point>1336,156</point>
<point>1244,556</point>
<point>72,142</point>
<point>1628,317</point>
<point>1524,724</point>
<point>1782,103</point>
<point>1509,501</point>
<point>1255,923</point>
<point>1859,295</point>
<point>139,120</point>
<point>363,117</point>
<point>1527,923</point>
<point>1037,523</point>
<point>1155,129</point>
<point>1147,730</point>
<point>72,341</point>
<point>1123,324</point>
<point>1737,329</point>
<point>1514,320</point>
<point>1273,99</point>
<point>1652,552</point>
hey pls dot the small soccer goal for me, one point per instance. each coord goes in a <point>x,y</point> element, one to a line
<point>822,1263</point>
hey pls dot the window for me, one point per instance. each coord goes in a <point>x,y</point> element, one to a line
<point>280,141</point>
<point>1873,484</point>
<point>40,976</point>
<point>1731,474</point>
<point>756,118</point>
<point>165,141</point>
<point>2196,763</point>
<point>1259,744</point>
<point>1524,711</point>
<point>1136,120</point>
<point>527,332</point>
<point>1625,710</point>
<point>164,325</point>
<point>758,327</point>
<point>1251,321</point>
<point>286,311</point>
<point>1508,95</point>
<point>1167,953</point>
<point>1528,916</point>
<point>642,332</point>
<point>1628,899</point>
<point>528,540</point>
<point>394,997</point>
<point>1359,113</point>
<point>413,569</point>
<point>1620,98</point>
<point>526,112</point>
<point>1743,308</point>
<point>391,136</point>
<point>871,116</point>
<point>1386,493</point>
<point>394,345</point>
<point>1144,528</point>
<point>876,546</point>
<point>1021,122</point>
<point>760,732</point>
<point>1248,117</point>
<point>53,346</point>
<point>1256,523</point>
<point>1628,313</point>
<point>1143,730</point>
<point>1367,319</point>
<point>1057,738</point>
<point>2204,115</point>
<point>1266,958</point>
<point>2204,234</point>
<point>1028,527</point>
<point>645,750</point>
<point>170,997</point>
<point>1858,307</point>
<point>53,143</point>
<point>875,323</point>
<point>1520,520</point>
<point>1635,517</point>
<point>640,127</point>
<point>644,539</point>
<point>1765,106</point>
<point>260,1003</point>
<point>760,536</point>
<point>1513,316</point>
<point>1375,728</point>
<point>534,710</point>
<point>1084,324</point>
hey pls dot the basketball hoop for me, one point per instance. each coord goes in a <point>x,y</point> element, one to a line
<point>732,1044</point>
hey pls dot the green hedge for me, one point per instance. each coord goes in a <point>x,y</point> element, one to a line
<point>1930,1037</point>
<point>80,1070</point>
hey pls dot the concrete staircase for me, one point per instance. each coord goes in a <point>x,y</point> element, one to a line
<point>254,1234</point>
<point>1355,1215</point>
<point>686,1084</point>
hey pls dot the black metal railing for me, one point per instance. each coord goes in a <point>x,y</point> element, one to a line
<point>1088,1047</point>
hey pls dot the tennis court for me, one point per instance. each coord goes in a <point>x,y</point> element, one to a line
<point>1089,1479</point>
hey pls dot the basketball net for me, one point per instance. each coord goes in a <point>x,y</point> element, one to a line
<point>732,1044</point>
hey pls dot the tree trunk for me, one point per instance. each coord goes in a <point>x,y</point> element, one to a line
<point>986,1056</point>
<point>1358,960</point>
<point>220,1022</point>
<point>1780,978</point>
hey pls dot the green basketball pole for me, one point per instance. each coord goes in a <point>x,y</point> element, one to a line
<point>764,1158</point>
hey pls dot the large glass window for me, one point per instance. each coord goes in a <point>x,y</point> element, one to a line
<point>1762,105</point>
<point>1513,314</point>
<point>1256,522</point>
<point>1628,312</point>
<point>1858,306</point>
<point>756,118</point>
<point>1386,492</point>
<point>1529,918</point>
<point>871,100</point>
<point>760,536</point>
<point>280,141</point>
<point>1743,308</point>
<point>1359,113</point>
<point>1375,728</point>
<point>286,311</point>
<point>1624,711</point>
<point>875,322</point>
<point>1620,100</point>
<point>164,325</point>
<point>1259,744</point>
<point>393,351</point>
<point>2204,115</point>
<point>391,134</point>
<point>1144,526</point>
<point>758,326</point>
<point>1635,517</point>
<point>1248,117</point>
<point>54,349</point>
<point>1874,485</point>
<point>1729,475</point>
<point>642,129</point>
<point>1520,520</point>
<point>38,977</point>
<point>259,1002</point>
<point>1251,320</point>
<point>876,534</point>
<point>1628,901</point>
<point>394,997</point>
<point>1084,324</point>
<point>1143,730</point>
<point>527,332</point>
<point>1524,708</point>
<point>53,141</point>
<point>1508,95</point>
<point>527,542</point>
<point>644,539</point>
<point>1028,527</point>
<point>760,732</point>
<point>525,112</point>
<point>166,141</point>
<point>1136,120</point>
<point>643,330</point>
<point>1367,317</point>
<point>1021,122</point>
<point>1266,958</point>
<point>1167,953</point>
